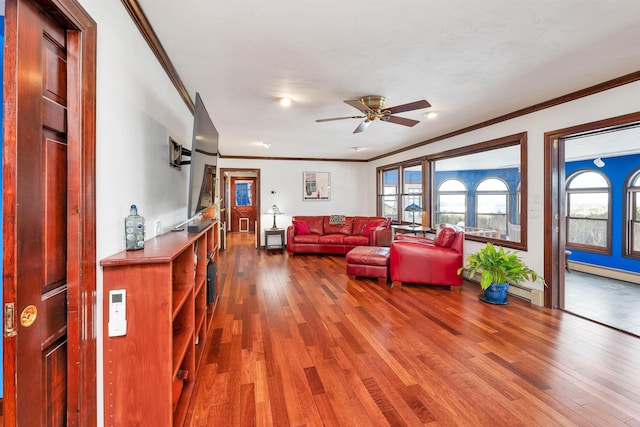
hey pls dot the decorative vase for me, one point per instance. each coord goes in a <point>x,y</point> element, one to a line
<point>496,293</point>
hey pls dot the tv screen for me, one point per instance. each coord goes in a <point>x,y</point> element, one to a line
<point>204,156</point>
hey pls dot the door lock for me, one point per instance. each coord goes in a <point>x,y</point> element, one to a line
<point>9,319</point>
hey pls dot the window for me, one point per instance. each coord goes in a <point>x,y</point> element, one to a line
<point>400,186</point>
<point>588,207</point>
<point>491,205</point>
<point>411,190</point>
<point>389,199</point>
<point>632,220</point>
<point>481,187</point>
<point>453,177</point>
<point>243,193</point>
<point>452,202</point>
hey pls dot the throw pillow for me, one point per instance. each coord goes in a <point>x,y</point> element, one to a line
<point>301,227</point>
<point>336,219</point>
<point>445,237</point>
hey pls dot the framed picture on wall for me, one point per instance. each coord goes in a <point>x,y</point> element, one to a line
<point>316,186</point>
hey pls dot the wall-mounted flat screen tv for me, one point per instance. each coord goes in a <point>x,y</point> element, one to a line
<point>204,158</point>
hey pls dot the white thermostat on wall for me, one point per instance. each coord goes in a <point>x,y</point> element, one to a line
<point>117,325</point>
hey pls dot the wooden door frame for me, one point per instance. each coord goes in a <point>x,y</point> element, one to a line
<point>81,217</point>
<point>226,202</point>
<point>554,195</point>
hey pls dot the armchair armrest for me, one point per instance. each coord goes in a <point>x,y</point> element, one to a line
<point>291,231</point>
<point>380,236</point>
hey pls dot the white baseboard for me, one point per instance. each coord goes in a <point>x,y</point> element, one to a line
<point>534,296</point>
<point>598,270</point>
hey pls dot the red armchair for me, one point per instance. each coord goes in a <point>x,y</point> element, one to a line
<point>429,261</point>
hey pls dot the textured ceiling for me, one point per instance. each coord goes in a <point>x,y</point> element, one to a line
<point>473,61</point>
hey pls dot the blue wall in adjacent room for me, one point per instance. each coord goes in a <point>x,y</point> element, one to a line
<point>617,169</point>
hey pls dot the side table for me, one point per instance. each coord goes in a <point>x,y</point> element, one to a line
<point>411,229</point>
<point>274,239</point>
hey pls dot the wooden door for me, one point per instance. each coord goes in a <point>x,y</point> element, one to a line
<point>243,204</point>
<point>49,218</point>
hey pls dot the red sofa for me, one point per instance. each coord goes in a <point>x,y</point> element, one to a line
<point>427,261</point>
<point>316,234</point>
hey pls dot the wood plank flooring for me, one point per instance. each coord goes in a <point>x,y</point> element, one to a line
<point>294,342</point>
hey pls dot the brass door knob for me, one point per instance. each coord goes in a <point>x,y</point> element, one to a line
<point>28,315</point>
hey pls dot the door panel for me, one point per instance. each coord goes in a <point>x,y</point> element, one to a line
<point>49,213</point>
<point>243,204</point>
<point>42,221</point>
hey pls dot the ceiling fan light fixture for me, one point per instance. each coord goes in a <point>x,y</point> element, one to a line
<point>431,114</point>
<point>373,108</point>
<point>285,101</point>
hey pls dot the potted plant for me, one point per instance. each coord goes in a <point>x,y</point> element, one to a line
<point>498,267</point>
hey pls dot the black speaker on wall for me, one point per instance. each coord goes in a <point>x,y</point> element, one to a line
<point>211,282</point>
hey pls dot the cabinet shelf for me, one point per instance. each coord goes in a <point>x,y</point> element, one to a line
<point>200,282</point>
<point>167,313</point>
<point>179,297</point>
<point>181,343</point>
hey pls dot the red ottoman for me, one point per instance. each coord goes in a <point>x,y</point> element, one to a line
<point>368,261</point>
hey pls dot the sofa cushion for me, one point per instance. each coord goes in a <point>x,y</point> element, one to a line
<point>301,227</point>
<point>306,238</point>
<point>313,222</point>
<point>445,236</point>
<point>359,223</point>
<point>338,228</point>
<point>331,239</point>
<point>356,240</point>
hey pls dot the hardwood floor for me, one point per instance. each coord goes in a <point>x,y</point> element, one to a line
<point>296,343</point>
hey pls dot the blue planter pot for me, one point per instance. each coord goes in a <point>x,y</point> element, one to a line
<point>496,293</point>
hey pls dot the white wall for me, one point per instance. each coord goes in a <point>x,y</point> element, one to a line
<point>138,109</point>
<point>615,102</point>
<point>348,188</point>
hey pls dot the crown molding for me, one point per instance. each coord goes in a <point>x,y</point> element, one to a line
<point>143,24</point>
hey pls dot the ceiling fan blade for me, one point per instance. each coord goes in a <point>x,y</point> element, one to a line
<point>355,103</point>
<point>400,120</point>
<point>361,128</point>
<point>339,118</point>
<point>408,107</point>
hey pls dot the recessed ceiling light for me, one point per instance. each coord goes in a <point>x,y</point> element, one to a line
<point>356,149</point>
<point>286,101</point>
<point>431,114</point>
<point>266,144</point>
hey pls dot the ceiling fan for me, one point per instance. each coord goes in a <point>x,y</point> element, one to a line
<point>373,108</point>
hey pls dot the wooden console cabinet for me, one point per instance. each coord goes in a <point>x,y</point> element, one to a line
<point>167,323</point>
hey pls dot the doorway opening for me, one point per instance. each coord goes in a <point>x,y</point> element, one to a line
<point>240,202</point>
<point>591,266</point>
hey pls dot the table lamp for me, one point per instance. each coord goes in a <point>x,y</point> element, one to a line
<point>413,208</point>
<point>274,210</point>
